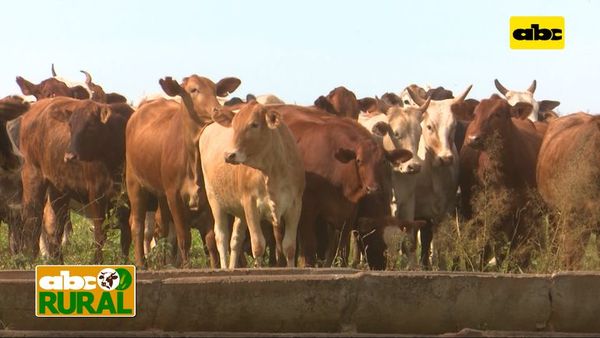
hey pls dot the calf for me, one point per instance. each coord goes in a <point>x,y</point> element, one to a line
<point>501,151</point>
<point>253,171</point>
<point>162,156</point>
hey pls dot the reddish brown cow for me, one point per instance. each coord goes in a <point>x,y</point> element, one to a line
<point>53,132</point>
<point>341,102</point>
<point>568,172</point>
<point>343,164</point>
<point>163,159</point>
<point>98,93</point>
<point>51,87</point>
<point>501,149</point>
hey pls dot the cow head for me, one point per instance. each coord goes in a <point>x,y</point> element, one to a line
<point>341,102</point>
<point>371,161</point>
<point>10,108</point>
<point>403,132</point>
<point>538,108</point>
<point>199,94</point>
<point>51,87</point>
<point>408,100</point>
<point>438,127</point>
<point>493,115</point>
<point>253,128</point>
<point>87,121</point>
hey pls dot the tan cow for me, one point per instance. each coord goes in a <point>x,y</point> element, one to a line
<point>252,170</point>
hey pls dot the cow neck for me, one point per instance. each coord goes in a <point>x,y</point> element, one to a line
<point>509,143</point>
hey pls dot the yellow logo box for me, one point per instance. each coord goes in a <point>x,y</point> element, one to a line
<point>85,291</point>
<point>537,32</point>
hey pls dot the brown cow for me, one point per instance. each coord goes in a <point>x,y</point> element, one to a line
<point>253,171</point>
<point>343,164</point>
<point>568,172</point>
<point>50,132</point>
<point>11,107</point>
<point>501,151</point>
<point>51,87</point>
<point>98,93</point>
<point>163,159</point>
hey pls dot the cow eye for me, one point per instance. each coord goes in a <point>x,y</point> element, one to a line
<point>406,102</point>
<point>194,90</point>
<point>396,134</point>
<point>254,124</point>
<point>429,127</point>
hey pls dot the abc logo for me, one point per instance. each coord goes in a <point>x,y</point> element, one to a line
<point>537,32</point>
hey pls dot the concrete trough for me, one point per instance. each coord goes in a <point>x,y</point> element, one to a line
<point>330,301</point>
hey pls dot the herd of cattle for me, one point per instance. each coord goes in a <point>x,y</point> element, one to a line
<point>300,180</point>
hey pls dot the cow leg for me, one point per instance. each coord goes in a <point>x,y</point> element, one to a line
<point>257,239</point>
<point>238,237</point>
<point>222,234</point>
<point>48,229</point>
<point>123,214</point>
<point>182,227</point>
<point>149,228</point>
<point>426,238</point>
<point>208,238</point>
<point>308,237</point>
<point>278,235</point>
<point>138,199</point>
<point>290,220</point>
<point>34,197</point>
<point>98,209</point>
<point>58,205</point>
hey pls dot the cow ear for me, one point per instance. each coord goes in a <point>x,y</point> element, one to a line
<point>273,119</point>
<point>323,103</point>
<point>547,105</point>
<point>78,92</point>
<point>521,110</point>
<point>398,156</point>
<point>223,117</point>
<point>367,104</point>
<point>170,86</point>
<point>27,88</point>
<point>345,155</point>
<point>381,129</point>
<point>105,114</point>
<point>464,110</point>
<point>227,85</point>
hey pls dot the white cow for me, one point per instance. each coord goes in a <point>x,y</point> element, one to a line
<point>437,182</point>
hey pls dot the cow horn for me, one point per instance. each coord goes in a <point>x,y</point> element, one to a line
<point>464,94</point>
<point>415,97</point>
<point>88,77</point>
<point>500,87</point>
<point>53,71</point>
<point>531,88</point>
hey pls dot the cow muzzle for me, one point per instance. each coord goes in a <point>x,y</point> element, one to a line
<point>69,156</point>
<point>475,141</point>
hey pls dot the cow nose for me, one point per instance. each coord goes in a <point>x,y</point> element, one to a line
<point>230,157</point>
<point>69,157</point>
<point>413,168</point>
<point>371,189</point>
<point>474,140</point>
<point>447,159</point>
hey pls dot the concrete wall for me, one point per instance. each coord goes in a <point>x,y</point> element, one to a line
<point>332,300</point>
